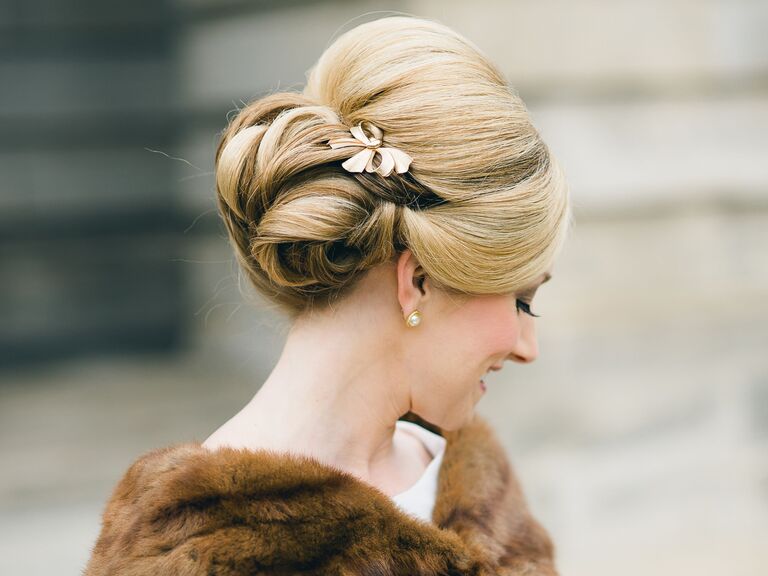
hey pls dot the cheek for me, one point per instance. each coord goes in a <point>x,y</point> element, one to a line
<point>489,326</point>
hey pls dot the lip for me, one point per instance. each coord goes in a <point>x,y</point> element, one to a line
<point>494,368</point>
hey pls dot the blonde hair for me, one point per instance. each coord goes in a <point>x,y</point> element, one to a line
<point>484,206</point>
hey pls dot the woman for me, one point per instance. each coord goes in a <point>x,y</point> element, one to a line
<point>402,211</point>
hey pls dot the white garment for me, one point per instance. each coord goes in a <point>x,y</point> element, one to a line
<point>419,499</point>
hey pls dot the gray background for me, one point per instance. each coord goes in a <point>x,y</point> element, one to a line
<point>641,432</point>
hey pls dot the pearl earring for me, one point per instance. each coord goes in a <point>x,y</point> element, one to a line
<point>414,318</point>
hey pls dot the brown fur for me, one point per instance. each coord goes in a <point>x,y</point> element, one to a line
<point>184,510</point>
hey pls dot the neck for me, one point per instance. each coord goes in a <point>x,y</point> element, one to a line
<point>335,393</point>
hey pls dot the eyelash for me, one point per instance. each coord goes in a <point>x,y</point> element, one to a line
<point>525,307</point>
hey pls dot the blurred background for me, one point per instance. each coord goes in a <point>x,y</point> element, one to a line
<point>640,434</point>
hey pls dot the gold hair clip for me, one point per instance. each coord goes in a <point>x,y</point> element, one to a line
<point>391,158</point>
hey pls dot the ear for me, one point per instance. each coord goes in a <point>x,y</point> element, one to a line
<point>412,283</point>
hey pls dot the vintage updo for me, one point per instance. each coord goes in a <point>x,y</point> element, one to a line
<point>484,206</point>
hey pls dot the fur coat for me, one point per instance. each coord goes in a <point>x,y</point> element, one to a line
<point>183,510</point>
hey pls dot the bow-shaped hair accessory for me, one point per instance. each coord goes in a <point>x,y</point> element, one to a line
<point>363,160</point>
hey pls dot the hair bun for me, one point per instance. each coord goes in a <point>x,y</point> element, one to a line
<point>302,226</point>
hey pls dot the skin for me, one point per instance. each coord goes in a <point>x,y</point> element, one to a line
<point>359,362</point>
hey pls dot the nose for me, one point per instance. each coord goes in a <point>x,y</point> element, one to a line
<point>526,348</point>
